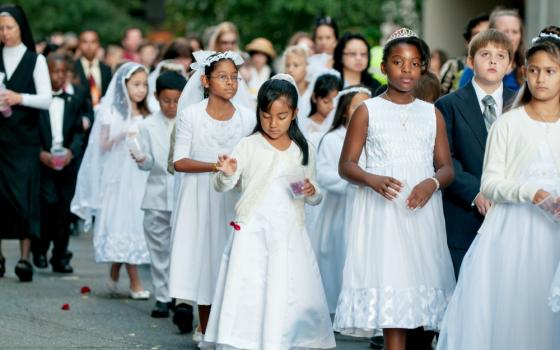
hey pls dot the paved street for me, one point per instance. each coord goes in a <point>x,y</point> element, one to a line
<point>31,315</point>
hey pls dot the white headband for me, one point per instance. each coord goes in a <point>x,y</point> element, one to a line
<point>206,58</point>
<point>357,89</point>
<point>286,77</point>
<point>545,36</point>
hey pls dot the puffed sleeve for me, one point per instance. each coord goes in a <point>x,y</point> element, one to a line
<point>42,99</point>
<point>494,184</point>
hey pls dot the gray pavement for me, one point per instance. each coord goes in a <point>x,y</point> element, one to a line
<point>31,315</point>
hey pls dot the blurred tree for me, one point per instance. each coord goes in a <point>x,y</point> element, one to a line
<point>108,17</point>
<point>277,20</point>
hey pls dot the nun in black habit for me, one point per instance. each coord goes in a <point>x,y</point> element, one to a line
<point>27,90</point>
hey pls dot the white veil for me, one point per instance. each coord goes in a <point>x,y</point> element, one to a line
<point>167,65</point>
<point>194,92</point>
<point>112,120</point>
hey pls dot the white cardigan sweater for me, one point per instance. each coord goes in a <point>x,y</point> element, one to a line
<point>256,160</point>
<point>513,143</point>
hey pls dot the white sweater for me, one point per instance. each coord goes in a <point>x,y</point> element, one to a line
<point>513,143</point>
<point>256,159</point>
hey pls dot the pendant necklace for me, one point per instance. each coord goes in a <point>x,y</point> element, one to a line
<point>403,111</point>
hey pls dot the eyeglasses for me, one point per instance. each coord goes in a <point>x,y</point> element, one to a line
<point>225,78</point>
<point>356,54</point>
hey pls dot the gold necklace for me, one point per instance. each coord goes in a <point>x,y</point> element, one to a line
<point>402,111</point>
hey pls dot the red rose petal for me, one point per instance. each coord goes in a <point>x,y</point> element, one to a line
<point>66,307</point>
<point>85,290</point>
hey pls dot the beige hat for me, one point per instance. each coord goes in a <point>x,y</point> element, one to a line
<point>261,45</point>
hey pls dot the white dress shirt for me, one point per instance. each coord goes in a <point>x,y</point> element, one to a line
<point>42,99</point>
<point>56,113</point>
<point>497,95</point>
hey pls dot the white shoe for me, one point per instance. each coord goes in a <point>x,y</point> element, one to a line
<point>197,335</point>
<point>140,295</point>
<point>112,286</point>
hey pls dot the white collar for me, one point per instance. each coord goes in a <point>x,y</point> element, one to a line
<point>497,95</point>
<point>20,47</point>
<point>86,62</point>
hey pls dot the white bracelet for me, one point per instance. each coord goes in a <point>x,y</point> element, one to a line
<point>434,179</point>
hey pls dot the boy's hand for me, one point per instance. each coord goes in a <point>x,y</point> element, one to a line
<point>138,160</point>
<point>307,189</point>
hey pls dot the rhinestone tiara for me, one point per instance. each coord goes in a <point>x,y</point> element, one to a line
<point>545,36</point>
<point>402,33</point>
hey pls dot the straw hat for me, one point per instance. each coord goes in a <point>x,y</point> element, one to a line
<point>261,45</point>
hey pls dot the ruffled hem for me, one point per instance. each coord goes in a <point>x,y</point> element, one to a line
<point>361,311</point>
<point>554,299</point>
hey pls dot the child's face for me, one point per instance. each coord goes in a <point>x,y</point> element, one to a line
<point>403,67</point>
<point>543,76</point>
<point>57,72</point>
<point>223,80</point>
<point>276,122</point>
<point>296,67</point>
<point>137,86</point>
<point>168,100</point>
<point>326,104</point>
<point>490,64</point>
<point>355,56</point>
<point>325,40</point>
<point>259,60</point>
<point>354,104</point>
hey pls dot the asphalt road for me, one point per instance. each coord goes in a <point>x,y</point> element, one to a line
<point>31,315</point>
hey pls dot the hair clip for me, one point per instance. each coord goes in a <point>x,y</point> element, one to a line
<point>402,33</point>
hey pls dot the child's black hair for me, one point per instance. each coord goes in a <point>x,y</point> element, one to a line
<point>325,21</point>
<point>472,23</point>
<point>340,117</point>
<point>323,86</point>
<point>365,78</point>
<point>548,44</point>
<point>273,90</point>
<point>210,68</point>
<point>170,80</point>
<point>420,44</point>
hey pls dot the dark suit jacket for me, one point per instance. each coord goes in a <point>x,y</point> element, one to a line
<point>60,185</point>
<point>467,135</point>
<point>83,80</point>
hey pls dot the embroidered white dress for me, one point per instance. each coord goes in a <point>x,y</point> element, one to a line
<point>118,232</point>
<point>554,298</point>
<point>500,302</point>
<point>269,294</point>
<point>398,271</point>
<point>200,221</point>
<point>329,233</point>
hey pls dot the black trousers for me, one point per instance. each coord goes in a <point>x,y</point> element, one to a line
<point>55,228</point>
<point>419,339</point>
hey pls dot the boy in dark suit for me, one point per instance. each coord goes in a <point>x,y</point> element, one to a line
<point>59,128</point>
<point>469,112</point>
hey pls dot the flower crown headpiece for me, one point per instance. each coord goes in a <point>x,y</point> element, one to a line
<point>544,36</point>
<point>206,58</point>
<point>402,33</point>
<point>357,89</point>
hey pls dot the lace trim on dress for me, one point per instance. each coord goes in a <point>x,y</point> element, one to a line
<point>361,311</point>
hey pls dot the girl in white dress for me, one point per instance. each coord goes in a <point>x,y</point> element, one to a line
<point>329,234</point>
<point>398,272</point>
<point>205,129</point>
<point>110,186</point>
<point>269,294</point>
<point>295,64</point>
<point>501,298</point>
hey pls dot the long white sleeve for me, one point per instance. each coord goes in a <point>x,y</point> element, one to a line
<point>42,99</point>
<point>310,174</point>
<point>183,135</point>
<point>495,185</point>
<point>327,164</point>
<point>223,182</point>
